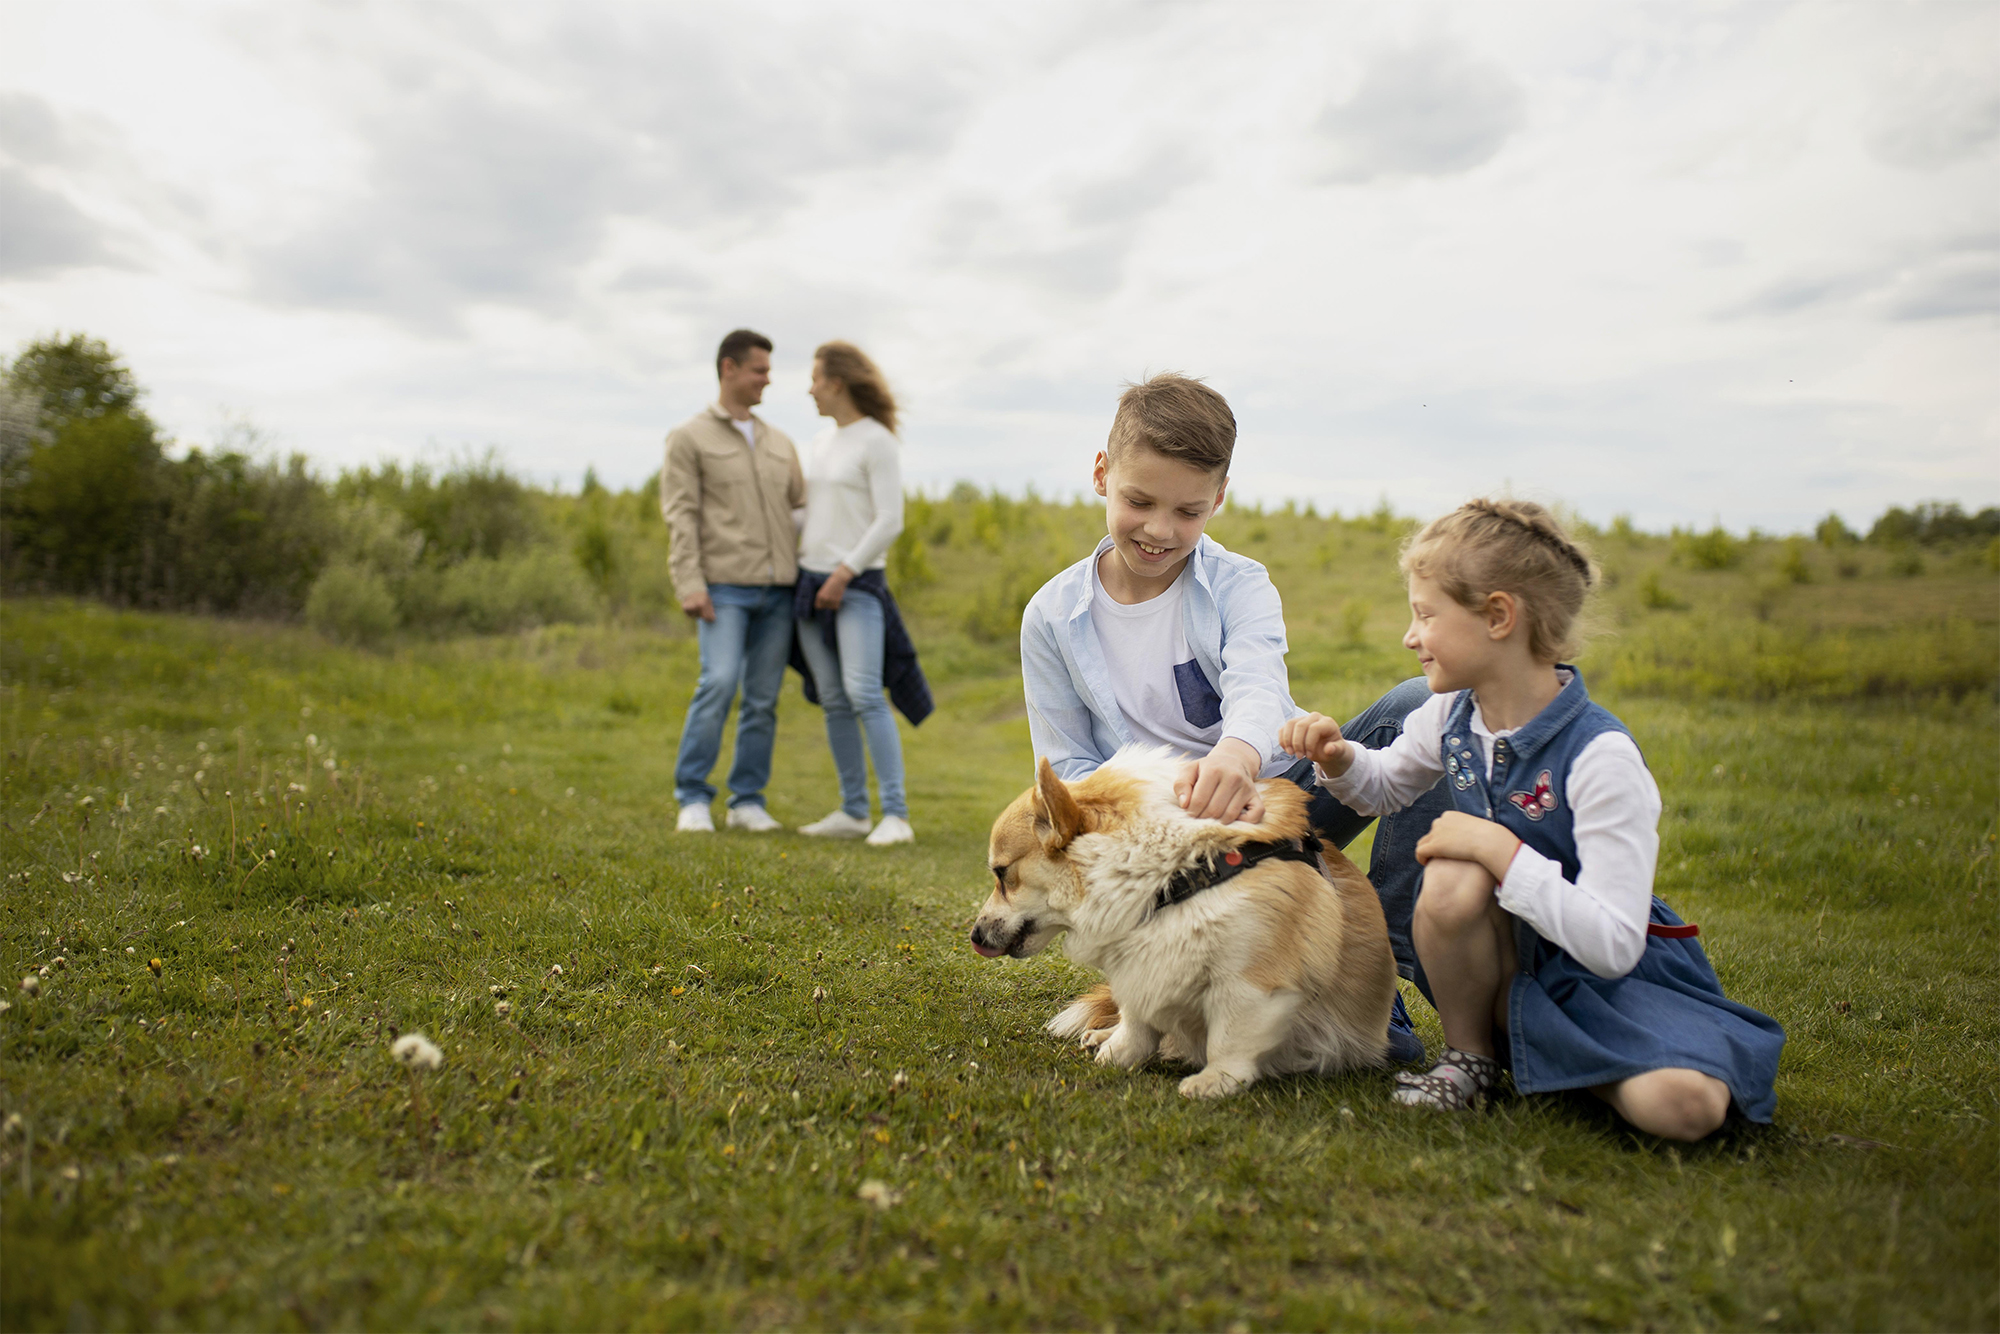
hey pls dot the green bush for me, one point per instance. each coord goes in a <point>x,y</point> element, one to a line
<point>352,604</point>
<point>541,586</point>
<point>1653,595</point>
<point>1712,550</point>
<point>1793,564</point>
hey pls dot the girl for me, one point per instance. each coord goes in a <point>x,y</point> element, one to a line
<point>1537,934</point>
<point>846,620</point>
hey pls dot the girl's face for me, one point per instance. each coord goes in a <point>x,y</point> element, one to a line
<point>1456,647</point>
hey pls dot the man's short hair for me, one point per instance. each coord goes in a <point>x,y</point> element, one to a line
<point>1176,416</point>
<point>736,346</point>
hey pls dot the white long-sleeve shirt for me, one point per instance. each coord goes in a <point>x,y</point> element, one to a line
<point>854,497</point>
<point>1600,919</point>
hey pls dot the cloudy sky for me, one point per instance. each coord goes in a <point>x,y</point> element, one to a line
<point>1682,261</point>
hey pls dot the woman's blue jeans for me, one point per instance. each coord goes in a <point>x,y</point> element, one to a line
<point>850,690</point>
<point>746,644</point>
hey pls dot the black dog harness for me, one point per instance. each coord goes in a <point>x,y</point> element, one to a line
<point>1208,874</point>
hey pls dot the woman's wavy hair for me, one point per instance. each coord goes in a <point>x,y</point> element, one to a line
<point>1509,546</point>
<point>864,380</point>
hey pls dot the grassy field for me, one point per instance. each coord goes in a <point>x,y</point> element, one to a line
<point>712,1048</point>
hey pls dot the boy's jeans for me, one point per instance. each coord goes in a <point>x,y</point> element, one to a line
<point>851,688</point>
<point>746,644</point>
<point>1392,866</point>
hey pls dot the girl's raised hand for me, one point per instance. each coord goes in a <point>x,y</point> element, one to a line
<point>1316,737</point>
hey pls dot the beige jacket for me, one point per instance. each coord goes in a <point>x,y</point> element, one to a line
<point>729,507</point>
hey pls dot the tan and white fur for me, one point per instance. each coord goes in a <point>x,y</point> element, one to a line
<point>1278,970</point>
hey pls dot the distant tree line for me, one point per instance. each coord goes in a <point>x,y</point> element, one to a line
<point>93,504</point>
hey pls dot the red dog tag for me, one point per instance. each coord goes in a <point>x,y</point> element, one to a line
<point>1233,857</point>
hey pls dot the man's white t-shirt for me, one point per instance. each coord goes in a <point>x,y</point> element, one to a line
<point>1154,676</point>
<point>749,429</point>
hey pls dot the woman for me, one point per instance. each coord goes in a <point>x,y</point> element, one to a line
<point>854,510</point>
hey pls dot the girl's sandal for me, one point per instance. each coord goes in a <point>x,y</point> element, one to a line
<point>1458,1082</point>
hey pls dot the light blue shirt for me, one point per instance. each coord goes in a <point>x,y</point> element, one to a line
<point>1235,624</point>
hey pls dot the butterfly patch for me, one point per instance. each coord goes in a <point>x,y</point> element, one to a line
<point>1538,803</point>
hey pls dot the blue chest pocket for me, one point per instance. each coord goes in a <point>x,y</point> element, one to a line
<point>1200,705</point>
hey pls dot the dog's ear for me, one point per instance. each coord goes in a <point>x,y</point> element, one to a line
<point>1056,806</point>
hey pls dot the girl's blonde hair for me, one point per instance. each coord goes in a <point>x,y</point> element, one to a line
<point>1508,546</point>
<point>850,365</point>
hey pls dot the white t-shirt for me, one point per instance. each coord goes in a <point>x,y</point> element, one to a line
<point>749,429</point>
<point>1615,818</point>
<point>854,497</point>
<point>1142,643</point>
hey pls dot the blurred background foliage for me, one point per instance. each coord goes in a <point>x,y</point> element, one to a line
<point>95,502</point>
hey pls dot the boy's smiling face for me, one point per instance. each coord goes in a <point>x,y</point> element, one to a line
<point>1155,509</point>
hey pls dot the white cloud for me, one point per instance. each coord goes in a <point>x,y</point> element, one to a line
<point>1674,261</point>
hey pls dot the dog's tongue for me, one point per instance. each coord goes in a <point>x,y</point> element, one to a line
<point>985,953</point>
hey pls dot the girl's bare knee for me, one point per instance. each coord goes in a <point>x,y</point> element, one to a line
<point>1683,1105</point>
<point>1456,896</point>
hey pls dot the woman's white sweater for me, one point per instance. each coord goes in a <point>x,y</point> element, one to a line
<point>854,497</point>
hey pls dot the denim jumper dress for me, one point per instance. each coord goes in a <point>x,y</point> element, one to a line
<point>1567,1027</point>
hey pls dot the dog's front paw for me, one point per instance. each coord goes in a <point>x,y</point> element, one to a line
<point>1096,1038</point>
<point>1212,1083</point>
<point>1126,1049</point>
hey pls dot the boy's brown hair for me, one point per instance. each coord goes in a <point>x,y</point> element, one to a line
<point>1178,417</point>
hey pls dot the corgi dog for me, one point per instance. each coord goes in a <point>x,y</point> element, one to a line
<point>1223,945</point>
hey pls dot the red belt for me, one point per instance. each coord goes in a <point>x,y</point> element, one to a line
<point>1672,932</point>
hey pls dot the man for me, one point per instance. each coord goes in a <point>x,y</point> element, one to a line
<point>728,491</point>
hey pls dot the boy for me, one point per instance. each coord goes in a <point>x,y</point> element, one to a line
<point>1163,637</point>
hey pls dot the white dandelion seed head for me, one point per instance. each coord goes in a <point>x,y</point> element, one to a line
<point>555,970</point>
<point>416,1051</point>
<point>879,1193</point>
<point>32,985</point>
<point>130,950</point>
<point>502,1008</point>
<point>901,1081</point>
<point>819,994</point>
<point>496,990</point>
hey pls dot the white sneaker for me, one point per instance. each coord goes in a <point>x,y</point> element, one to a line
<point>695,819</point>
<point>838,825</point>
<point>752,817</point>
<point>893,829</point>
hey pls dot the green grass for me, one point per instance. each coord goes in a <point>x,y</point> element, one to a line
<point>672,1132</point>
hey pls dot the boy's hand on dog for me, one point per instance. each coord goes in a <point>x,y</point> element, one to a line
<point>1316,737</point>
<point>1222,785</point>
<point>1456,836</point>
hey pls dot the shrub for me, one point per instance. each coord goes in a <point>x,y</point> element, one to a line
<point>83,508</point>
<point>1832,531</point>
<point>596,553</point>
<point>352,604</point>
<point>1654,595</point>
<point>1933,523</point>
<point>1712,550</point>
<point>1354,623</point>
<point>995,614</point>
<point>542,586</point>
<point>1792,565</point>
<point>910,565</point>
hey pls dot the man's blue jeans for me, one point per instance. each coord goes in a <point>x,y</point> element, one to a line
<point>850,690</point>
<point>747,644</point>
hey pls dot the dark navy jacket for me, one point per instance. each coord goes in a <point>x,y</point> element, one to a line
<point>901,672</point>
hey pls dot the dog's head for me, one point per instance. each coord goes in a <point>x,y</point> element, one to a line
<point>1036,883</point>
